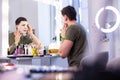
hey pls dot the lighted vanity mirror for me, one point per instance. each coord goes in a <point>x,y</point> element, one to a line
<point>40,15</point>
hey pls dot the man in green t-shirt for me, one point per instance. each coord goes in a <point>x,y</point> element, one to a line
<point>74,36</point>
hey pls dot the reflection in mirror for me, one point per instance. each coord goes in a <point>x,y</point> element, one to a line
<point>42,21</point>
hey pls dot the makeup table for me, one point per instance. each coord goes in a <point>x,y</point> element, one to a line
<point>36,60</point>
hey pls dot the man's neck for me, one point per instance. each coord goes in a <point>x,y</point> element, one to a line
<point>71,22</point>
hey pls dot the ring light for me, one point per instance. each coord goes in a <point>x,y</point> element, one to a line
<point>117,20</point>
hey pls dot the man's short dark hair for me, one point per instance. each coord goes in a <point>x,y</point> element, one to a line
<point>70,12</point>
<point>19,19</point>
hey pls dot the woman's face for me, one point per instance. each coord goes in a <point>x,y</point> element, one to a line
<point>22,27</point>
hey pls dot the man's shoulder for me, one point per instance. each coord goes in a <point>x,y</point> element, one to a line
<point>11,33</point>
<point>77,25</point>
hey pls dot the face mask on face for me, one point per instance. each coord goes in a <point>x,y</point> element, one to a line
<point>24,34</point>
<point>21,30</point>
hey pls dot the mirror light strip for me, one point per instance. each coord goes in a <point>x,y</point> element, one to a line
<point>5,10</point>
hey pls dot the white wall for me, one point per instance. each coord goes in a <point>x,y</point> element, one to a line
<point>95,35</point>
<point>115,36</point>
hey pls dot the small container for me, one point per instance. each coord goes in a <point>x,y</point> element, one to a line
<point>41,51</point>
<point>53,49</point>
<point>34,51</point>
<point>26,49</point>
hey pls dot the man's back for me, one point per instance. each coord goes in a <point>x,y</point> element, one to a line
<point>77,35</point>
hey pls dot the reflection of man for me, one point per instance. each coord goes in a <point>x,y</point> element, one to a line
<point>74,36</point>
<point>22,35</point>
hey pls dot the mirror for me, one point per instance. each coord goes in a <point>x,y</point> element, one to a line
<point>41,16</point>
<point>44,22</point>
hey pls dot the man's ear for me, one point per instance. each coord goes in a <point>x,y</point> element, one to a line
<point>16,27</point>
<point>66,18</point>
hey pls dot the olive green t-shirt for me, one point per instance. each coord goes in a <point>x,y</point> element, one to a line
<point>77,35</point>
<point>23,40</point>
